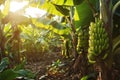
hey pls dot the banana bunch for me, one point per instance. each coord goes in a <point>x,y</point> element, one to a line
<point>98,41</point>
<point>83,37</point>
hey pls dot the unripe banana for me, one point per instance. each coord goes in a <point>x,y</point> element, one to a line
<point>98,40</point>
<point>83,37</point>
<point>91,58</point>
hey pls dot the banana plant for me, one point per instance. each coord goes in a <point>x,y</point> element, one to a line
<point>78,19</point>
<point>17,72</point>
<point>103,53</point>
<point>2,35</point>
<point>10,32</point>
<point>81,20</point>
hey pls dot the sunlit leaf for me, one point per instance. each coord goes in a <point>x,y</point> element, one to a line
<point>52,27</point>
<point>67,2</point>
<point>50,8</point>
<point>62,2</point>
<point>27,33</point>
<point>6,7</point>
<point>7,30</point>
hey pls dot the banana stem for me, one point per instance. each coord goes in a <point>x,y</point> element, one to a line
<point>115,7</point>
<point>103,11</point>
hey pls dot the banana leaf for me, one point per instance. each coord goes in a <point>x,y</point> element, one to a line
<point>83,14</point>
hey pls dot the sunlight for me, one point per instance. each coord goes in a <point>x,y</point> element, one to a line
<point>14,6</point>
<point>34,12</point>
<point>1,7</point>
<point>29,12</point>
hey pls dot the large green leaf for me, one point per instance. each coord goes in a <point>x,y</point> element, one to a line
<point>53,26</point>
<point>4,63</point>
<point>58,7</point>
<point>67,2</point>
<point>8,74</point>
<point>63,2</point>
<point>20,66</point>
<point>83,14</point>
<point>62,9</point>
<point>50,8</point>
<point>26,73</point>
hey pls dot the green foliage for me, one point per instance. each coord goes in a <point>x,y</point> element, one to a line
<point>63,2</point>
<point>6,8</point>
<point>34,37</point>
<point>66,2</point>
<point>50,8</point>
<point>62,10</point>
<point>27,74</point>
<point>38,35</point>
<point>20,66</point>
<point>83,14</point>
<point>8,74</point>
<point>60,7</point>
<point>54,68</point>
<point>4,64</point>
<point>56,64</point>
<point>18,71</point>
<point>54,26</point>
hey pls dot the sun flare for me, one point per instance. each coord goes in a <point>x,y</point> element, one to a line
<point>29,12</point>
<point>35,12</point>
<point>14,5</point>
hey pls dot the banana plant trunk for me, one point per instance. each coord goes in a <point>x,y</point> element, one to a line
<point>79,65</point>
<point>105,67</point>
<point>2,42</point>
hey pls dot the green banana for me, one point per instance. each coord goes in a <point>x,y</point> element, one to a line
<point>83,36</point>
<point>98,41</point>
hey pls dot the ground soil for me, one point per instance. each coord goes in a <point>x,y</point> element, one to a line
<point>42,67</point>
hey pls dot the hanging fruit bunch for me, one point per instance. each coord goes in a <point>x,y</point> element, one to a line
<point>83,37</point>
<point>98,41</point>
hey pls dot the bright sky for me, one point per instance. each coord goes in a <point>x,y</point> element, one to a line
<point>14,6</point>
<point>35,12</point>
<point>31,11</point>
